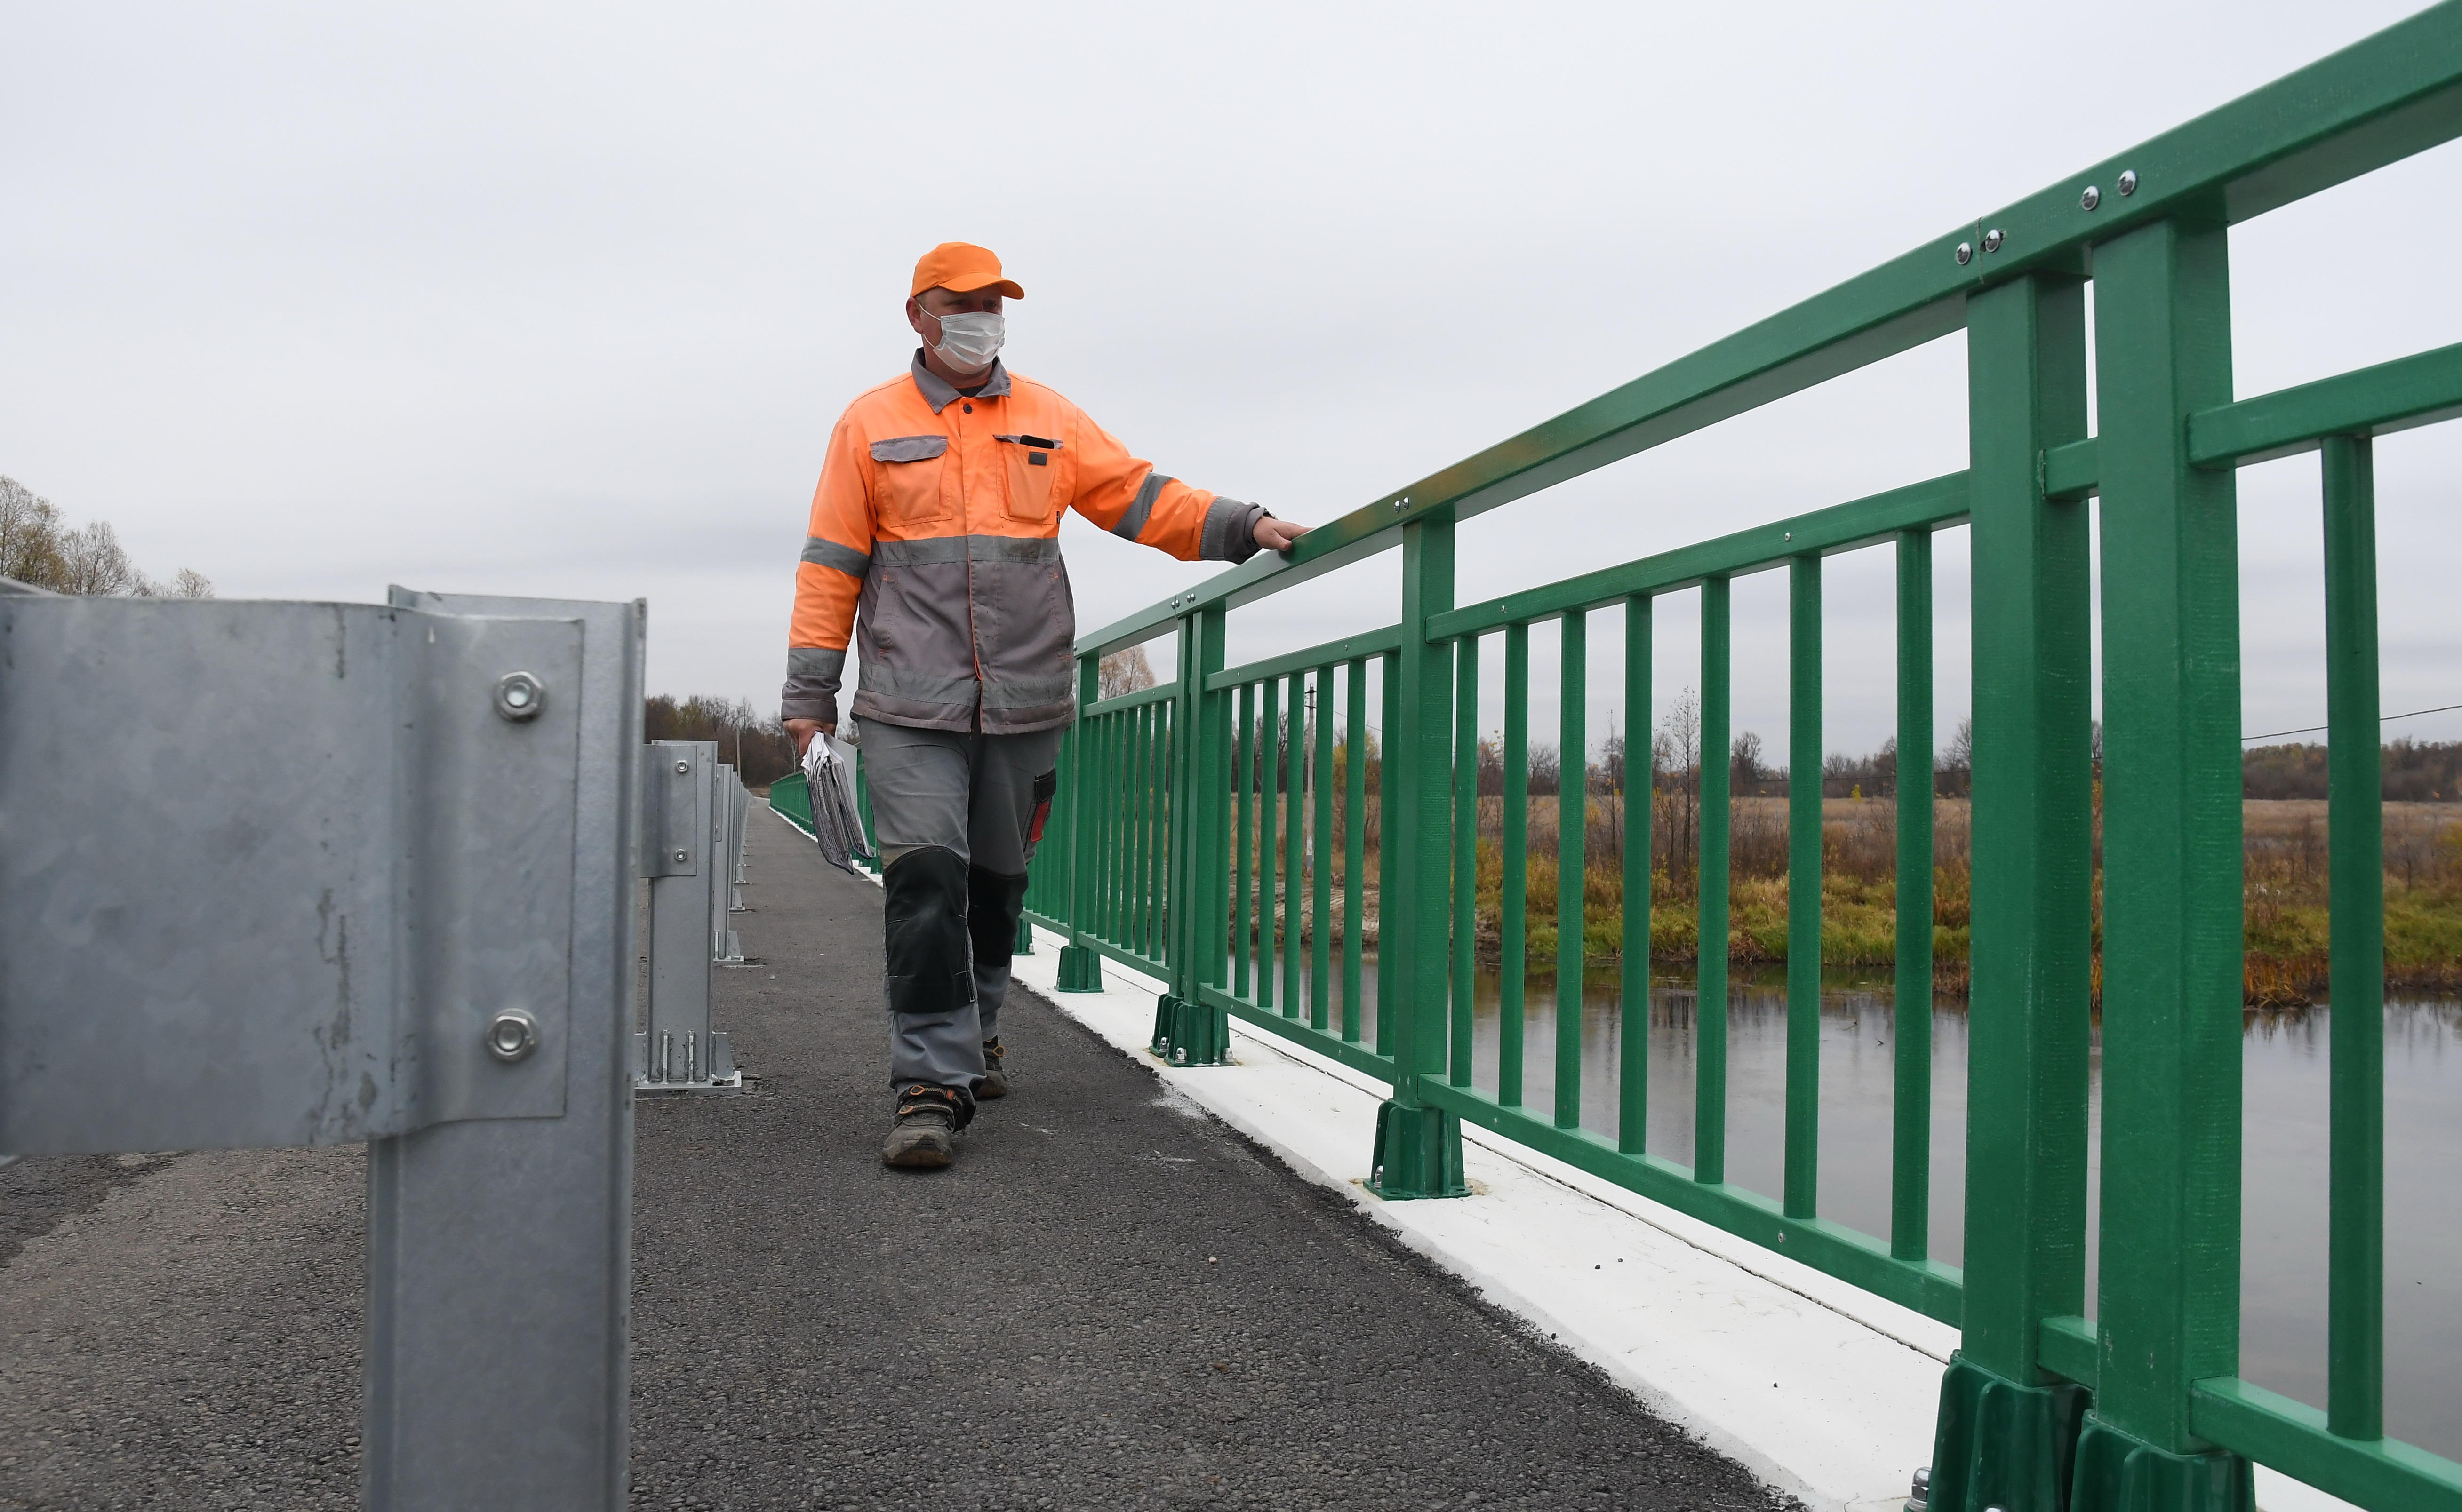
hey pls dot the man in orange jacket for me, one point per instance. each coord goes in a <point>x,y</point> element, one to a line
<point>934,538</point>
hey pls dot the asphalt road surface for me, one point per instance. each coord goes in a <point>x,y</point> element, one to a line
<point>1110,1301</point>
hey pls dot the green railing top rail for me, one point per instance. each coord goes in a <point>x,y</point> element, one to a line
<point>1823,532</point>
<point>2375,102</point>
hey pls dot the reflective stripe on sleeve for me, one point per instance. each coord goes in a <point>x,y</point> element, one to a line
<point>822,551</point>
<point>1140,508</point>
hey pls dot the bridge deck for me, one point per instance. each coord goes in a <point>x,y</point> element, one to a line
<point>1110,1301</point>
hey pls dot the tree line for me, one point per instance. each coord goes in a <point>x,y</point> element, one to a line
<point>39,549</point>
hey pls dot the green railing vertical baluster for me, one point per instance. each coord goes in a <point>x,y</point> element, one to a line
<point>1632,1069</point>
<point>1295,855</point>
<point>2355,832</point>
<point>1390,698</point>
<point>2173,867</point>
<point>1802,1178</point>
<point>1514,925</point>
<point>1158,869</point>
<point>1081,966</point>
<point>1710,950</point>
<point>1320,861</point>
<point>1149,827</point>
<point>1465,893</point>
<point>1270,840</point>
<point>1911,1100</point>
<point>1354,845</point>
<point>1572,857</point>
<point>1132,859</point>
<point>1115,806</point>
<point>1419,1148</point>
<point>2026,1133</point>
<point>1141,884</point>
<point>1244,762</point>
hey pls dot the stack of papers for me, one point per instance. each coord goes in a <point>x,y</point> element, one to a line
<point>829,773</point>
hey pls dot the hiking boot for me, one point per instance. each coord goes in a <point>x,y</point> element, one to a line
<point>995,1082</point>
<point>924,1136</point>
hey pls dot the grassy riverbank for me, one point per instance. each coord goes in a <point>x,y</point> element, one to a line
<point>2287,923</point>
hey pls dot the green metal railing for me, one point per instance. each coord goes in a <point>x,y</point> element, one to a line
<point>1201,826</point>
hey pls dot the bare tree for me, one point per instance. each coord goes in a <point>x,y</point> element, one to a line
<point>36,548</point>
<point>1124,672</point>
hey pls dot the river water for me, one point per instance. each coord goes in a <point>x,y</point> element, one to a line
<point>2284,1231</point>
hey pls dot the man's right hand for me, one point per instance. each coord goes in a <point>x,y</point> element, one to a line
<point>803,730</point>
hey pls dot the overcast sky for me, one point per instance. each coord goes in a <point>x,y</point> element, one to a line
<point>563,301</point>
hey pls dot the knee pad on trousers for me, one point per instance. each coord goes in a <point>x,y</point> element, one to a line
<point>925,924</point>
<point>993,904</point>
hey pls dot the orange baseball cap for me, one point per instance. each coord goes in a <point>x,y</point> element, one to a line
<point>961,268</point>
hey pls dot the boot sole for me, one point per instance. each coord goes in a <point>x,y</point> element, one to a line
<point>919,1157</point>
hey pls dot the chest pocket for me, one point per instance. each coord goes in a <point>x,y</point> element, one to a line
<point>909,478</point>
<point>1033,462</point>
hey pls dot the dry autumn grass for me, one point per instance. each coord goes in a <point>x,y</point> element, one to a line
<point>2286,890</point>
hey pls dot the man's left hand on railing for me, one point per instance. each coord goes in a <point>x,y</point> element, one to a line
<point>1277,535</point>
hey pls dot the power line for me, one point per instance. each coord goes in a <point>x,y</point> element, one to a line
<point>2386,720</point>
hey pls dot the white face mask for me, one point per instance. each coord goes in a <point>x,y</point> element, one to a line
<point>969,342</point>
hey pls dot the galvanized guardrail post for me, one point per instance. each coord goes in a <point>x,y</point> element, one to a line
<point>684,826</point>
<point>726,850</point>
<point>406,924</point>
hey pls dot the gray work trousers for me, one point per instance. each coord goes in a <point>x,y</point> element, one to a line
<point>956,816</point>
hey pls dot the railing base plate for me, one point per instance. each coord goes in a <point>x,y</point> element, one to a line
<point>1081,969</point>
<point>1189,1034</point>
<point>2119,1472</point>
<point>2002,1444</point>
<point>1419,1155</point>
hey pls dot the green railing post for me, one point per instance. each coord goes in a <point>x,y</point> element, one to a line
<point>2355,833</point>
<point>1910,1111</point>
<point>1710,946</point>
<point>2007,1430</point>
<point>1573,860</point>
<point>1633,1072</point>
<point>1419,1148</point>
<point>1388,873</point>
<point>1465,896</point>
<point>1802,1180</point>
<point>1081,966</point>
<point>2169,1278</point>
<point>1512,1013</point>
<point>1189,1031</point>
<point>1320,857</point>
<point>1354,843</point>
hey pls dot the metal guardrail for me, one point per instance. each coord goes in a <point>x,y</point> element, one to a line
<point>1173,845</point>
<point>694,813</point>
<point>406,920</point>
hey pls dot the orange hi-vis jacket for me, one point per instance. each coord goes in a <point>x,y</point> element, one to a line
<point>936,536</point>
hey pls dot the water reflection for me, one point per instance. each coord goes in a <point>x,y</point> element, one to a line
<point>2282,1338</point>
